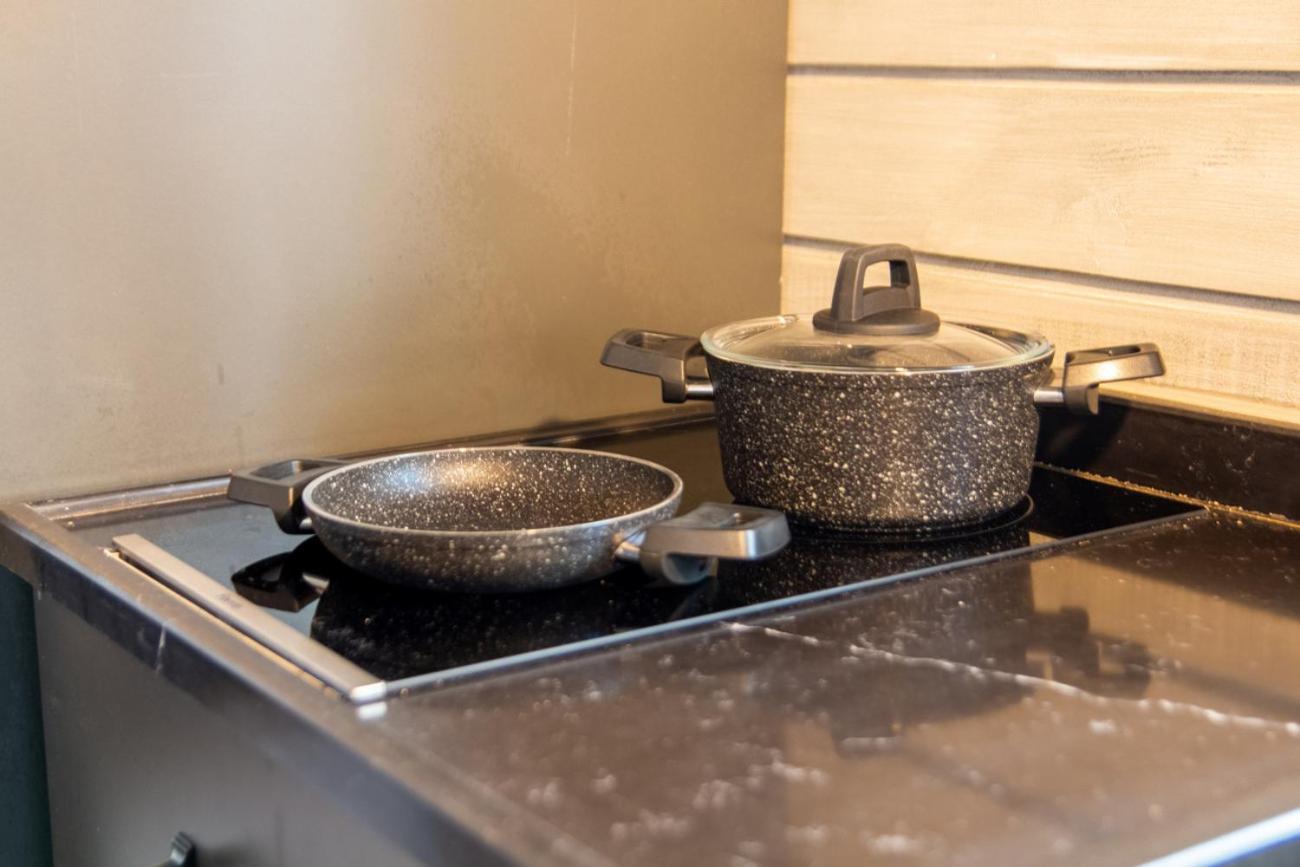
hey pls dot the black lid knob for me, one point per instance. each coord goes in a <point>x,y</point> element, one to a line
<point>884,310</point>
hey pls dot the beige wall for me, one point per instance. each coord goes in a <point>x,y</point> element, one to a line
<point>1101,171</point>
<point>231,232</point>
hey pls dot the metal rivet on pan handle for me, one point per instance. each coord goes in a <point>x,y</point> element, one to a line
<point>683,550</point>
<point>1085,369</point>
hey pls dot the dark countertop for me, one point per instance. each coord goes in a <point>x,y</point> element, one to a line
<point>931,721</point>
<point>1111,701</point>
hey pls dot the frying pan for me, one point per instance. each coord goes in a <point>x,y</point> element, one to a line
<point>506,518</point>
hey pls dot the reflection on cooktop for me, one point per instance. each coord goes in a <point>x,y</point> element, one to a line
<point>991,627</point>
<point>396,633</point>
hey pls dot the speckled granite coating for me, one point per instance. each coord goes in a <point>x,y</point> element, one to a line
<point>878,450</point>
<point>488,519</point>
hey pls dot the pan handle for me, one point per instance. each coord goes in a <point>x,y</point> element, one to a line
<point>663,355</point>
<point>279,487</point>
<point>682,550</point>
<point>1085,369</point>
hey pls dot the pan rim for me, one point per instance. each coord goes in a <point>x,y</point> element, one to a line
<point>308,495</point>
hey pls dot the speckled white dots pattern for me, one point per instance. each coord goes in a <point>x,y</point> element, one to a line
<point>488,519</point>
<point>870,450</point>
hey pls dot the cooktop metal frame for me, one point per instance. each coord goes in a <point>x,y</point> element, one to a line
<point>361,687</point>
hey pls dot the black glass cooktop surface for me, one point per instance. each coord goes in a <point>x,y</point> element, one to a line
<point>397,634</point>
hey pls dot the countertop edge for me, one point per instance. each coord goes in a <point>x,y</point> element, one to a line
<point>293,718</point>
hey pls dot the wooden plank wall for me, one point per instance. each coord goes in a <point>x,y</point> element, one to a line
<point>1099,171</point>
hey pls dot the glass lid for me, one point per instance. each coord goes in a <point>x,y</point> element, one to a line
<point>878,328</point>
<point>795,342</point>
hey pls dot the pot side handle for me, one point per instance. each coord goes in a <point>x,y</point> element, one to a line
<point>279,487</point>
<point>661,355</point>
<point>683,550</point>
<point>1085,369</point>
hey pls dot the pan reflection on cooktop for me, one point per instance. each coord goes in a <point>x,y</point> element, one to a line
<point>395,633</point>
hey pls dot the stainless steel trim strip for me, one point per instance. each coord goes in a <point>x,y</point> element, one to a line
<point>322,663</point>
<point>74,508</point>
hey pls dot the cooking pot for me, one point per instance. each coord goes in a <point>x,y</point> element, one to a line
<point>873,413</point>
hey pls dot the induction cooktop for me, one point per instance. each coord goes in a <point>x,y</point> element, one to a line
<point>372,641</point>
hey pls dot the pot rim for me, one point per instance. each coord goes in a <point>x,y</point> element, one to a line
<point>1037,348</point>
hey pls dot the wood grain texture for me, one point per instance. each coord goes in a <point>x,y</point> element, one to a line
<point>1189,184</point>
<point>1208,347</point>
<point>1090,34</point>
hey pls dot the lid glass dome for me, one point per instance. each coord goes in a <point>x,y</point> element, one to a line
<point>794,342</point>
